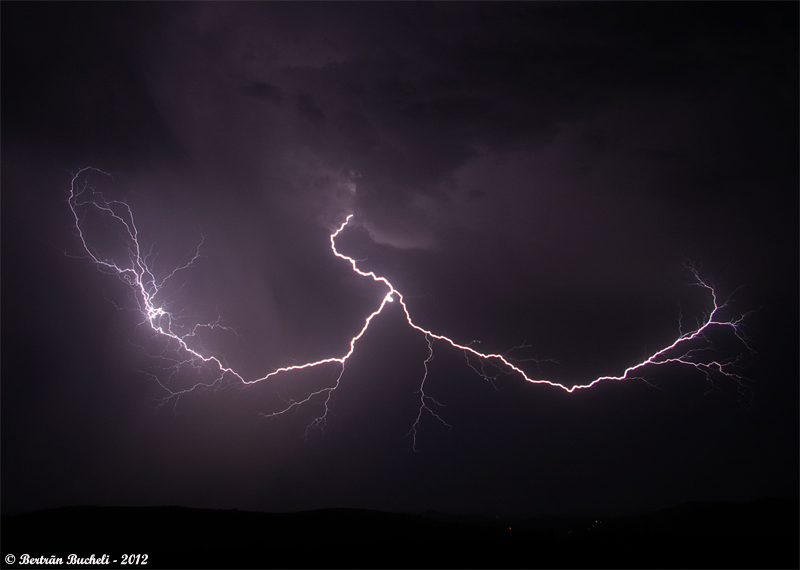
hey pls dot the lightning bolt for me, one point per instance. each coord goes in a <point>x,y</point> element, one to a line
<point>692,348</point>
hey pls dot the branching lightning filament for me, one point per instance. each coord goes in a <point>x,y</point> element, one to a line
<point>691,348</point>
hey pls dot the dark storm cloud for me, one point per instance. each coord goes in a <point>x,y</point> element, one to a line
<point>309,111</point>
<point>264,91</point>
<point>404,98</point>
<point>434,101</point>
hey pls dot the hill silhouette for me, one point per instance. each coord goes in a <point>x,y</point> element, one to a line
<point>762,534</point>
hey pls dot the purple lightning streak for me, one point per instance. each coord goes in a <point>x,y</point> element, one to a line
<point>690,349</point>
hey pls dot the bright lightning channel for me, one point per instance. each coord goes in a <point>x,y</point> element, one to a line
<point>138,274</point>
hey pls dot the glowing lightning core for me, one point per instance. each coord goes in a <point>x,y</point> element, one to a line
<point>138,274</point>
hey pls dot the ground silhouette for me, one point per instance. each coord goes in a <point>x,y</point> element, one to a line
<point>760,534</point>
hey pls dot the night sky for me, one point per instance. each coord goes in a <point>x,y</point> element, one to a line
<point>528,175</point>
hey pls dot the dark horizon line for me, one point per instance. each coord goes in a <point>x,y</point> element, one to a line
<point>430,513</point>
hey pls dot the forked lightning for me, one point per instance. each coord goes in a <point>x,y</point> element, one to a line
<point>692,348</point>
